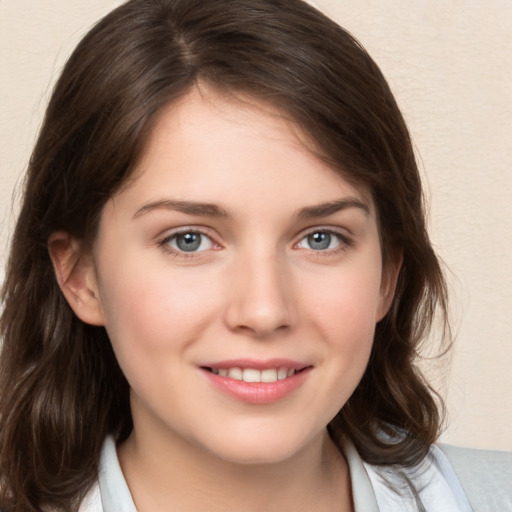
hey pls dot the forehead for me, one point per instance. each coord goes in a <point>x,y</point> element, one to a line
<point>213,147</point>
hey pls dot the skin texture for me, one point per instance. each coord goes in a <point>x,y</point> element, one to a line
<point>255,289</point>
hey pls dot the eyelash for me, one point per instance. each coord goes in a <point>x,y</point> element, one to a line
<point>164,243</point>
<point>344,242</point>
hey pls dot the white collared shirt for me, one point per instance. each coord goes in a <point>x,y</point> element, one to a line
<point>436,483</point>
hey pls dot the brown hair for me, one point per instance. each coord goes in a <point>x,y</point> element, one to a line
<point>62,390</point>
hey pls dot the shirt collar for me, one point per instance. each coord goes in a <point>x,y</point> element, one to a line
<point>116,496</point>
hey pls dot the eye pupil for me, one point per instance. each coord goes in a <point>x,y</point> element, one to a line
<point>188,241</point>
<point>319,240</point>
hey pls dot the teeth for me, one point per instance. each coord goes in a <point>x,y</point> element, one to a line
<point>253,375</point>
<point>235,373</point>
<point>268,375</point>
<point>282,373</point>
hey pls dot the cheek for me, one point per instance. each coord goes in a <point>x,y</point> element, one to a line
<point>344,315</point>
<point>343,310</point>
<point>154,307</point>
<point>152,318</point>
<point>345,304</point>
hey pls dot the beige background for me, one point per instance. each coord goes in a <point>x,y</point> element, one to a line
<point>449,63</point>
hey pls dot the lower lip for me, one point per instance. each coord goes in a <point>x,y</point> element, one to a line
<point>257,392</point>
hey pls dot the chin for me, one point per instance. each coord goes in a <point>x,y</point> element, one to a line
<point>258,449</point>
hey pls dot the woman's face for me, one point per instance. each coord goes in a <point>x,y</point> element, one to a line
<point>240,280</point>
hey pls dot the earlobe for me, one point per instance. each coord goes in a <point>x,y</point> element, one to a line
<point>390,274</point>
<point>76,275</point>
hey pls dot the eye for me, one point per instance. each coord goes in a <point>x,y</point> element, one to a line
<point>321,240</point>
<point>189,241</point>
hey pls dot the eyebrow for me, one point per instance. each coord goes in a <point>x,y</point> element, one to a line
<point>326,209</point>
<point>187,207</point>
<point>214,210</point>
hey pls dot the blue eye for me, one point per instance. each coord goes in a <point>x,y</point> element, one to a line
<point>190,241</point>
<point>321,241</point>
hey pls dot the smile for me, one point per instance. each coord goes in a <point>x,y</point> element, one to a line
<point>257,382</point>
<point>253,375</point>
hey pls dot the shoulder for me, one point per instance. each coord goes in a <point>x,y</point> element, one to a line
<point>431,486</point>
<point>449,478</point>
<point>485,475</point>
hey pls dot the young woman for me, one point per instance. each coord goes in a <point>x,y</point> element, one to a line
<point>220,277</point>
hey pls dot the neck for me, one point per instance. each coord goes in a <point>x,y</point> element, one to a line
<point>165,471</point>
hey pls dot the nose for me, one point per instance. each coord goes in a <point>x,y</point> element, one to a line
<point>261,301</point>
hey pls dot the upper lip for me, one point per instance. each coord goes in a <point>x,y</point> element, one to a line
<point>257,364</point>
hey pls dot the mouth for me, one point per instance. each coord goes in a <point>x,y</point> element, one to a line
<point>257,381</point>
<point>267,375</point>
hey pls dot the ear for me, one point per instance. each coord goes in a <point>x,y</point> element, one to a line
<point>76,275</point>
<point>390,272</point>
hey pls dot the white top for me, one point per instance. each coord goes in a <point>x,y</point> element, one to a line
<point>435,480</point>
